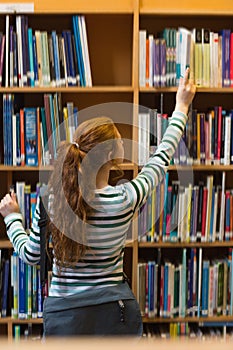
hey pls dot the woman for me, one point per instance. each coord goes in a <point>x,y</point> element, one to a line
<point>89,220</point>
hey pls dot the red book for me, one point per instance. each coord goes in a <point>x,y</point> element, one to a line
<point>161,302</point>
<point>48,126</point>
<point>38,136</point>
<point>219,133</point>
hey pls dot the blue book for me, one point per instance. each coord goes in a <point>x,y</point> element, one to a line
<point>27,206</point>
<point>70,55</point>
<point>22,288</point>
<point>53,125</point>
<point>67,61</point>
<point>151,289</point>
<point>35,61</point>
<point>31,59</point>
<point>78,48</point>
<point>205,288</point>
<point>56,57</point>
<point>75,117</point>
<point>39,296</point>
<point>31,136</point>
<point>7,128</point>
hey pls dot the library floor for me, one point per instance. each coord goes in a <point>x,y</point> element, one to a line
<point>116,344</point>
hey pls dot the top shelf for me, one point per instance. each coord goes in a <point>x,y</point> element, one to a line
<point>148,7</point>
<point>183,7</point>
<point>80,6</point>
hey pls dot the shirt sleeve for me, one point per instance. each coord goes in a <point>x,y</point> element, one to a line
<point>27,246</point>
<point>154,171</point>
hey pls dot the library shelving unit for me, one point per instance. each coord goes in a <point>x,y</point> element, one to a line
<point>154,16</point>
<point>111,37</point>
<point>113,41</point>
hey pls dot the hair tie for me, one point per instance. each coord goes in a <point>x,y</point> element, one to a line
<point>76,144</point>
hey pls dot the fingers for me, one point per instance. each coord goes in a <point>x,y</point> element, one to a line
<point>13,196</point>
<point>6,200</point>
<point>186,75</point>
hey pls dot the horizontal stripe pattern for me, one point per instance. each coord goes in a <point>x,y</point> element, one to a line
<point>107,228</point>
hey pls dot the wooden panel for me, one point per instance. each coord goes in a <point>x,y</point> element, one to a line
<point>187,7</point>
<point>104,6</point>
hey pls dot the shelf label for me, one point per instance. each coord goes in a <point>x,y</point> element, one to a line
<point>17,7</point>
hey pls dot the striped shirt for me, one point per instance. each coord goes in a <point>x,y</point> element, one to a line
<point>102,264</point>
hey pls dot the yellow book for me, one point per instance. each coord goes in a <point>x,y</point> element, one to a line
<point>197,37</point>
<point>66,123</point>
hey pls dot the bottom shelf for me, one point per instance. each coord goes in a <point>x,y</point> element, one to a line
<point>199,330</point>
<point>21,329</point>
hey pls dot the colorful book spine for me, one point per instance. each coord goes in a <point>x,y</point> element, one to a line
<point>31,136</point>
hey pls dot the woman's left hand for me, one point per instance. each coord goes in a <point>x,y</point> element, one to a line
<point>9,205</point>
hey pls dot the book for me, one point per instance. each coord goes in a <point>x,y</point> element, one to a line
<point>56,55</point>
<point>5,291</point>
<point>31,136</point>
<point>198,56</point>
<point>205,288</point>
<point>78,48</point>
<point>206,56</point>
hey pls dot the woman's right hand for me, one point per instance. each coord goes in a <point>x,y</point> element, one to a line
<point>9,205</point>
<point>185,93</point>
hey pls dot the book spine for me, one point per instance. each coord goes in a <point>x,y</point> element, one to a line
<point>5,291</point>
<point>31,138</point>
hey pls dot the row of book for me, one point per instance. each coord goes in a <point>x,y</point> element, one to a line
<point>21,292</point>
<point>187,213</point>
<point>211,331</point>
<point>207,138</point>
<point>194,286</point>
<point>31,134</point>
<point>40,58</point>
<point>163,58</point>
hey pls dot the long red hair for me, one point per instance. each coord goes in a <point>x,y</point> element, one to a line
<point>74,179</point>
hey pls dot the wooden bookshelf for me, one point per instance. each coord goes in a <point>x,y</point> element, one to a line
<point>113,28</point>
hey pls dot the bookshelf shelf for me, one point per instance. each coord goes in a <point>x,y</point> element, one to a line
<point>5,244</point>
<point>10,320</point>
<point>201,320</point>
<point>68,90</point>
<point>185,244</point>
<point>226,90</point>
<point>9,168</point>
